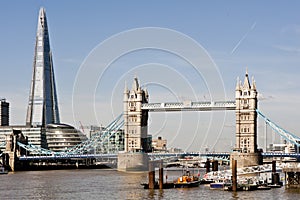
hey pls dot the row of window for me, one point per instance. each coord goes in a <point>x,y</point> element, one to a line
<point>132,104</point>
<point>245,130</point>
<point>245,143</point>
<point>133,131</point>
<point>132,119</point>
<point>245,117</point>
<point>132,143</point>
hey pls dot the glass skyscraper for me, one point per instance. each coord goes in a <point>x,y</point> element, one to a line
<point>43,105</point>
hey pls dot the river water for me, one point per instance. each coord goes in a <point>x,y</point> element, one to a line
<point>111,184</point>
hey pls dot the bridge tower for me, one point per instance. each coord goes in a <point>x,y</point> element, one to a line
<point>246,152</point>
<point>135,128</point>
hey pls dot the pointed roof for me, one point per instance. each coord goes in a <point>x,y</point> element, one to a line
<point>126,88</point>
<point>253,87</point>
<point>246,81</point>
<point>135,84</point>
<point>42,21</point>
<point>238,84</point>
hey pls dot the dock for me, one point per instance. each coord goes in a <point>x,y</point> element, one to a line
<point>292,175</point>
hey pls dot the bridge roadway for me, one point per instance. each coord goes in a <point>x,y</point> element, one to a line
<point>152,155</point>
<point>189,106</point>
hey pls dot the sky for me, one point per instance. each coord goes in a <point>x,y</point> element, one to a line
<point>179,50</point>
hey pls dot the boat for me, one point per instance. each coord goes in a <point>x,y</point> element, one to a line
<point>166,185</point>
<point>204,181</point>
<point>187,180</point>
<point>263,187</point>
<point>3,171</point>
<point>220,184</point>
<point>275,185</point>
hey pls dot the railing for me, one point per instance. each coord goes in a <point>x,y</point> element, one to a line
<point>189,105</point>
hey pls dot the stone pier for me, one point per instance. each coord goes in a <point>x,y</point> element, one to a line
<point>133,161</point>
<point>12,151</point>
<point>246,159</point>
<point>292,176</point>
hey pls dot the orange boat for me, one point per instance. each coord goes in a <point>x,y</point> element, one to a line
<point>187,180</point>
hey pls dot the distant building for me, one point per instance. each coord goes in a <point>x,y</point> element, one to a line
<point>109,143</point>
<point>4,113</point>
<point>283,148</point>
<point>36,135</point>
<point>159,145</point>
<point>175,150</point>
<point>277,148</point>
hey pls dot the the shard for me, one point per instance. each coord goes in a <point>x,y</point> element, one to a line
<point>43,105</point>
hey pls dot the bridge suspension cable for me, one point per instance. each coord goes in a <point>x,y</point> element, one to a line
<point>282,132</point>
<point>98,139</point>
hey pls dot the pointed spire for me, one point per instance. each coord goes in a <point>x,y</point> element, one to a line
<point>253,87</point>
<point>135,84</point>
<point>146,93</point>
<point>246,81</point>
<point>42,22</point>
<point>126,88</point>
<point>238,84</point>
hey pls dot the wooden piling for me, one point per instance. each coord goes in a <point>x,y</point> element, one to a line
<point>275,176</point>
<point>151,175</point>
<point>215,166</point>
<point>161,175</point>
<point>234,175</point>
<point>207,165</point>
<point>273,166</point>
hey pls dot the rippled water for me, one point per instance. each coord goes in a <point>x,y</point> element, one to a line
<point>111,184</point>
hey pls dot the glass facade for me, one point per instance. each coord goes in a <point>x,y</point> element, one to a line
<point>60,137</point>
<point>42,105</point>
<point>112,143</point>
<point>36,135</point>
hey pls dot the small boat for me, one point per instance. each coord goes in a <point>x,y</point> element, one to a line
<point>263,187</point>
<point>220,184</point>
<point>206,181</point>
<point>275,186</point>
<point>187,180</point>
<point>3,171</point>
<point>166,185</point>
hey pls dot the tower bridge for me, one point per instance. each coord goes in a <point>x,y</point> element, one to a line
<point>137,107</point>
<point>134,120</point>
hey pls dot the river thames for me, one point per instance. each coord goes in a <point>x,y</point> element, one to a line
<point>111,184</point>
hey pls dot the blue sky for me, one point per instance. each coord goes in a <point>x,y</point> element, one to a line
<point>261,35</point>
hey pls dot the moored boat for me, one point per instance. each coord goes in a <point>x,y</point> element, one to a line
<point>187,180</point>
<point>220,184</point>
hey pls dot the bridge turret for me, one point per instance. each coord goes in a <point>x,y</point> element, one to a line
<point>246,152</point>
<point>135,119</point>
<point>246,117</point>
